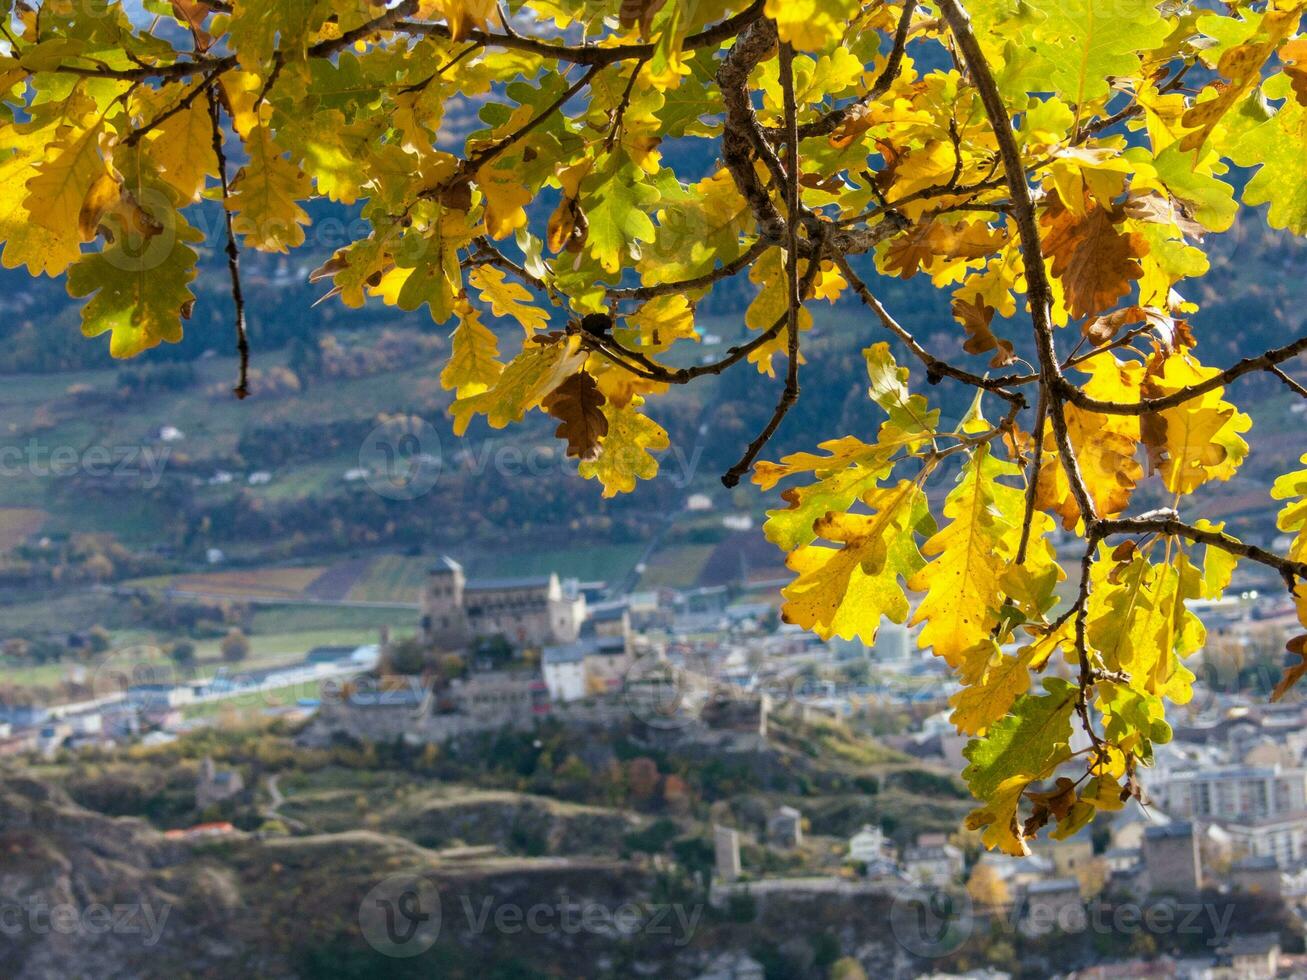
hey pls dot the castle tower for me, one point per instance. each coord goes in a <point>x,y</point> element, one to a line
<point>444,619</point>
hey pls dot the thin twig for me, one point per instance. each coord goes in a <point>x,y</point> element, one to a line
<point>1168,522</point>
<point>793,299</point>
<point>832,120</point>
<point>1039,291</point>
<point>181,105</point>
<point>1267,361</point>
<point>242,388</point>
<point>1032,480</point>
<point>620,114</point>
<point>936,368</point>
<point>595,56</point>
<point>1293,386</point>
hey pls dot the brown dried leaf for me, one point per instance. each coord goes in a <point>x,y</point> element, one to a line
<point>1095,262</point>
<point>1294,673</point>
<point>578,405</point>
<point>641,12</point>
<point>975,318</point>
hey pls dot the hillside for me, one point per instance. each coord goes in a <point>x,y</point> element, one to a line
<point>141,473</point>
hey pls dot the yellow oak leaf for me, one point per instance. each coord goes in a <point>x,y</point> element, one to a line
<point>62,181</point>
<point>811,25</point>
<point>507,298</point>
<point>1198,440</point>
<point>1105,445</point>
<point>182,145</point>
<point>1293,515</point>
<point>473,364</point>
<point>963,583</point>
<point>265,194</point>
<point>626,453</point>
<point>845,592</point>
<point>544,363</point>
<point>506,199</point>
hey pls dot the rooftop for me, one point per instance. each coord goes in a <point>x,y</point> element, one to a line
<point>1254,944</point>
<point>1052,886</point>
<point>1256,862</point>
<point>567,654</point>
<point>1176,828</point>
<point>508,584</point>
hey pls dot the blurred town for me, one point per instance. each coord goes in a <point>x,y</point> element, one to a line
<point>712,675</point>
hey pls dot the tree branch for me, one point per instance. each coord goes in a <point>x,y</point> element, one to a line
<point>1146,406</point>
<point>936,368</point>
<point>740,133</point>
<point>1168,522</point>
<point>1039,291</point>
<point>834,119</point>
<point>735,266</point>
<point>242,388</point>
<point>793,299</point>
<point>600,57</point>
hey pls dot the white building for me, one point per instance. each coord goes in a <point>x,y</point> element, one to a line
<point>1232,793</point>
<point>936,865</point>
<point>867,845</point>
<point>564,670</point>
<point>1283,838</point>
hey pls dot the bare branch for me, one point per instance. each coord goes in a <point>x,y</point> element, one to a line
<point>1168,522</point>
<point>1292,385</point>
<point>710,37</point>
<point>936,368</point>
<point>793,299</point>
<point>242,388</point>
<point>1039,291</point>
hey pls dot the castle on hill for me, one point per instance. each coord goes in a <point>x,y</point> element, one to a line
<point>527,612</point>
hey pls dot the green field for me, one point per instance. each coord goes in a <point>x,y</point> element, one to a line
<point>604,562</point>
<point>391,578</point>
<point>677,567</point>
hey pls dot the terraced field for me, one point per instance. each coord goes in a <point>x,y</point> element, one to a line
<point>17,524</point>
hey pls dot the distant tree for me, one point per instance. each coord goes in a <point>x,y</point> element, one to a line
<point>98,639</point>
<point>986,888</point>
<point>183,653</point>
<point>407,656</point>
<point>676,794</point>
<point>847,968</point>
<point>235,646</point>
<point>452,666</point>
<point>642,777</point>
<point>16,648</point>
<point>98,567</point>
<point>495,648</point>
